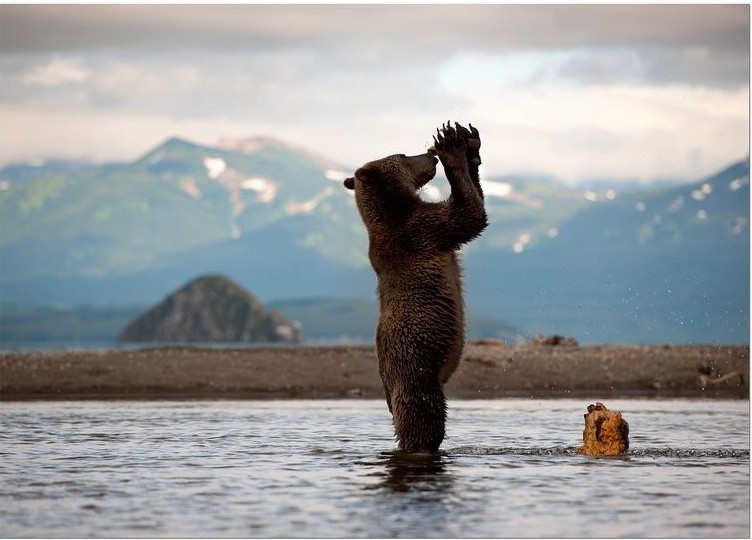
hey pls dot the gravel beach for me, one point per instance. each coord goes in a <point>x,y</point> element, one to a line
<point>489,369</point>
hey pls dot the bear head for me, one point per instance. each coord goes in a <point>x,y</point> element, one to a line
<point>396,173</point>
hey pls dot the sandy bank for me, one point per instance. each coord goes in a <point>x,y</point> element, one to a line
<point>488,370</point>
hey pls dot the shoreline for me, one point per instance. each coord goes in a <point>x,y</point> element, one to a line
<point>489,369</point>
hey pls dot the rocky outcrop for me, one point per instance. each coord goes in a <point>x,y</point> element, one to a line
<point>211,309</point>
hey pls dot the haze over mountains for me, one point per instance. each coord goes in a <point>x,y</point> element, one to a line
<point>658,264</point>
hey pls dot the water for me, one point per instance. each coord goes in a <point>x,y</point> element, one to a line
<point>328,469</point>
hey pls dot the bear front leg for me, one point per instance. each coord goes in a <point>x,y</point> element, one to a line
<point>467,215</point>
<point>472,140</point>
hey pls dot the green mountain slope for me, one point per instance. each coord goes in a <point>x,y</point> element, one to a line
<point>122,219</point>
<point>257,209</point>
<point>646,265</point>
<point>668,265</point>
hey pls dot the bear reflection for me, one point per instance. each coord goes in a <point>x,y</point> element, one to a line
<point>417,473</point>
<point>413,495</point>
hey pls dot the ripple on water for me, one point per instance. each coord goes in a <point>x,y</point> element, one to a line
<point>282,469</point>
<point>679,453</point>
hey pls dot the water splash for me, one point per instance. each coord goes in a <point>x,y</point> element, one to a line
<point>564,451</point>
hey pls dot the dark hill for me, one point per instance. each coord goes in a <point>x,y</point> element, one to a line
<point>210,309</point>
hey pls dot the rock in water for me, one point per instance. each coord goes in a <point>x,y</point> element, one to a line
<point>210,309</point>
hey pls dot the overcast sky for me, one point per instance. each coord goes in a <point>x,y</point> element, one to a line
<point>625,92</point>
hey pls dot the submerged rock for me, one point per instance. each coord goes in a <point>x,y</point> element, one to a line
<point>211,309</point>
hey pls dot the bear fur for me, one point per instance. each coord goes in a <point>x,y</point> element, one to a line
<point>413,248</point>
<point>606,432</point>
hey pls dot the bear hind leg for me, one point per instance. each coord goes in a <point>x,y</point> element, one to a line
<point>419,417</point>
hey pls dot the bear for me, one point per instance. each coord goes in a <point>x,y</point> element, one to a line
<point>606,432</point>
<point>413,249</point>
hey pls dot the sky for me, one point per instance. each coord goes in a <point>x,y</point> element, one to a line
<point>637,92</point>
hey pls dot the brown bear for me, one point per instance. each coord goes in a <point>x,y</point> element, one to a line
<point>413,248</point>
<point>606,432</point>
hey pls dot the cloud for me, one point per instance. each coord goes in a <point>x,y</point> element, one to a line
<point>135,83</point>
<point>100,134</point>
<point>573,91</point>
<point>473,71</point>
<point>263,86</point>
<point>438,27</point>
<point>56,73</point>
<point>625,131</point>
<point>699,44</point>
<point>619,131</point>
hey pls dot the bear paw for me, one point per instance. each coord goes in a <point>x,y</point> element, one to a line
<point>451,146</point>
<point>472,138</point>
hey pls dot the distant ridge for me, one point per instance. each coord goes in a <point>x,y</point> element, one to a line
<point>603,263</point>
<point>250,145</point>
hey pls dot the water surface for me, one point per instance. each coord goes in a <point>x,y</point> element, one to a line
<point>329,469</point>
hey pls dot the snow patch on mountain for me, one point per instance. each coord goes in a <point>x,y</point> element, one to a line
<point>676,205</point>
<point>230,179</point>
<point>189,186</point>
<point>522,241</point>
<point>335,175</point>
<point>265,189</point>
<point>496,189</point>
<point>292,208</point>
<point>739,224</point>
<point>505,190</point>
<point>738,183</point>
<point>214,167</point>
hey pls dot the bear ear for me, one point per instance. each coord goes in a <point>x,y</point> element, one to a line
<point>350,183</point>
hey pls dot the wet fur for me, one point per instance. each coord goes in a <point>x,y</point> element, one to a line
<point>413,248</point>
<point>606,432</point>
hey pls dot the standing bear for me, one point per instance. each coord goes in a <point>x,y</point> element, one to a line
<point>413,248</point>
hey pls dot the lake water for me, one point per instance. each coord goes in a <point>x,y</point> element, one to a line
<point>508,468</point>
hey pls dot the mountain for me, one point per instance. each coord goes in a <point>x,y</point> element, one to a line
<point>665,263</point>
<point>17,173</point>
<point>629,185</point>
<point>210,309</point>
<point>129,232</point>
<point>255,209</point>
<point>669,265</point>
